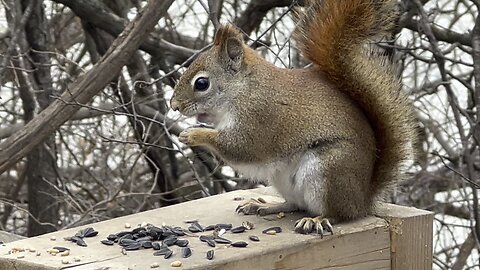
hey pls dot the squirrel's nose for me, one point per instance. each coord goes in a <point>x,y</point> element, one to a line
<point>174,104</point>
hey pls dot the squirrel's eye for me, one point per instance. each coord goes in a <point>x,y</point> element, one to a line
<point>201,84</point>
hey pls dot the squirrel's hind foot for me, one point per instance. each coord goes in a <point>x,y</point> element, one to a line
<point>309,225</point>
<point>260,207</point>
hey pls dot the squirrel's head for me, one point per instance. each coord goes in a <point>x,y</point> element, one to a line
<point>215,78</point>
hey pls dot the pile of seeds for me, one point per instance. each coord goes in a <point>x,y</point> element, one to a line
<point>161,239</point>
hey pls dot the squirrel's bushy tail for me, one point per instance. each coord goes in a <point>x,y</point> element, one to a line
<point>334,36</point>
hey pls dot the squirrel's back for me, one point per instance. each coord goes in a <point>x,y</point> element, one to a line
<point>333,35</point>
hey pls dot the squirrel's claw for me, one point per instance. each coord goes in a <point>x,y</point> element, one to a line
<point>250,207</point>
<point>260,207</point>
<point>309,225</point>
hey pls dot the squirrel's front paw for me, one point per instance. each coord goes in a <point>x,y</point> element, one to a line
<point>197,136</point>
<point>187,136</point>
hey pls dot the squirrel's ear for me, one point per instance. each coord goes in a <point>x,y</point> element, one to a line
<point>230,42</point>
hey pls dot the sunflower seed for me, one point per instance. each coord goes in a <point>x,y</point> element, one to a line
<point>168,254</point>
<point>81,242</point>
<point>239,244</point>
<point>134,246</point>
<point>224,226</point>
<point>275,229</point>
<point>209,228</point>
<point>89,232</point>
<point>211,242</point>
<point>162,251</point>
<point>112,237</point>
<point>170,240</point>
<point>126,242</point>
<point>239,229</point>
<point>195,227</point>
<point>146,244</point>
<point>107,242</point>
<point>204,238</point>
<point>156,246</point>
<point>254,238</point>
<point>210,254</point>
<point>222,240</point>
<point>182,242</point>
<point>186,252</point>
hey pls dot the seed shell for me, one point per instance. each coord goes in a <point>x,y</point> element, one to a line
<point>176,264</point>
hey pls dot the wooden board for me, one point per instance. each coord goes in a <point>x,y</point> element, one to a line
<point>362,244</point>
<point>411,236</point>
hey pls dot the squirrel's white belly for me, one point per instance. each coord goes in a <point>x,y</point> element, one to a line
<point>298,179</point>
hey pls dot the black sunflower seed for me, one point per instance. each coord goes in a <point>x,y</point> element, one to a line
<point>75,239</point>
<point>211,242</point>
<point>224,226</point>
<point>186,252</point>
<point>162,251</point>
<point>126,242</point>
<point>178,231</point>
<point>239,229</point>
<point>137,230</point>
<point>204,238</point>
<point>107,242</point>
<point>156,246</point>
<point>168,254</point>
<point>209,228</point>
<point>134,246</point>
<point>146,244</point>
<point>126,236</point>
<point>145,238</point>
<point>182,242</point>
<point>276,229</point>
<point>88,232</point>
<point>254,238</point>
<point>112,237</point>
<point>222,240</point>
<point>120,234</point>
<point>170,240</point>
<point>210,254</point>
<point>195,227</point>
<point>239,244</point>
<point>81,242</point>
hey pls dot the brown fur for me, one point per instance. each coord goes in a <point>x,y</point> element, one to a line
<point>348,108</point>
<point>332,36</point>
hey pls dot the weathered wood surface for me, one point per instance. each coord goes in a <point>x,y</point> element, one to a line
<point>362,244</point>
<point>411,236</point>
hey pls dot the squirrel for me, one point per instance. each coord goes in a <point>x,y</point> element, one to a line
<point>330,137</point>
